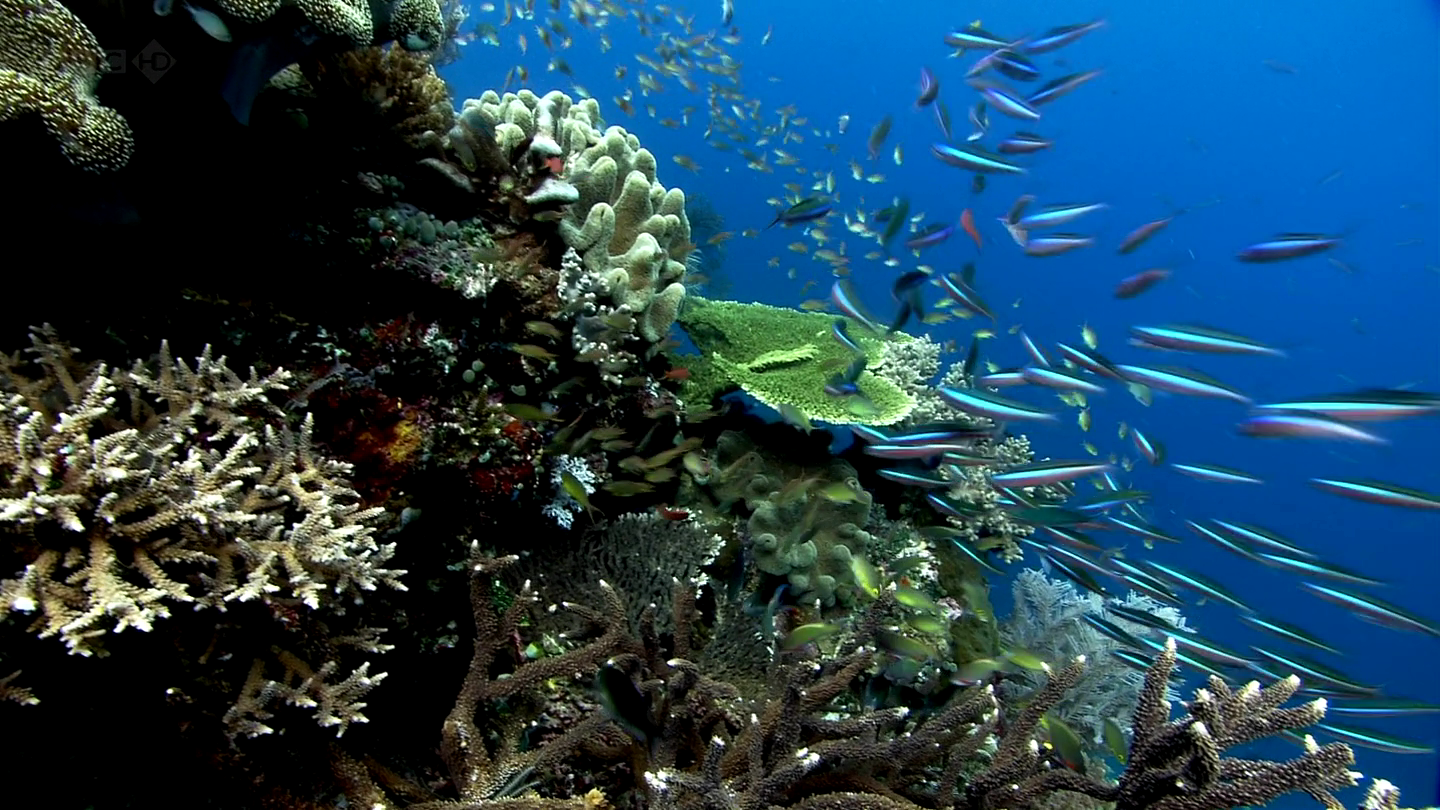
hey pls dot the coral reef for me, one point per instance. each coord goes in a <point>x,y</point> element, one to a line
<point>50,64</point>
<point>785,357</point>
<point>191,501</point>
<point>1046,621</point>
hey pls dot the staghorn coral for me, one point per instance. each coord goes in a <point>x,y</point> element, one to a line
<point>784,356</point>
<point>50,64</point>
<point>128,492</point>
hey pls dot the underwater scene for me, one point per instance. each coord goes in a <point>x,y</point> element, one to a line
<point>738,405</point>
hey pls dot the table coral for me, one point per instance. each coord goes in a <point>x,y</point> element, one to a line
<point>784,357</point>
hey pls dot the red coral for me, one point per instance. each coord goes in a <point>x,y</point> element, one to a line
<point>505,479</point>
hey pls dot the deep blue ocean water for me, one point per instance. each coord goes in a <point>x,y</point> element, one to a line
<point>1260,118</point>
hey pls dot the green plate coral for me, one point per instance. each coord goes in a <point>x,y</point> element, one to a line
<point>785,356</point>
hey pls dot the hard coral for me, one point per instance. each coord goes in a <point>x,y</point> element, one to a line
<point>50,64</point>
<point>388,96</point>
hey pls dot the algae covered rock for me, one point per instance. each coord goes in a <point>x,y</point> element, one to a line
<point>785,356</point>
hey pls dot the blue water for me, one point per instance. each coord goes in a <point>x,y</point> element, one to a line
<point>1336,134</point>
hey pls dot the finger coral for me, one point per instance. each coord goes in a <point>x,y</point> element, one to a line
<point>127,492</point>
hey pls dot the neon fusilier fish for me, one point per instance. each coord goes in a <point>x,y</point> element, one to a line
<point>1211,651</point>
<point>1080,576</point>
<point>914,478</point>
<point>1305,425</point>
<point>979,122</point>
<point>993,406</point>
<point>929,88</point>
<point>1073,539</point>
<point>1056,244</point>
<point>1287,632</point>
<point>1006,101</point>
<point>1112,631</point>
<point>1143,581</point>
<point>1060,379</point>
<point>1142,529</point>
<point>1227,543</point>
<point>1374,610</point>
<point>1256,537</point>
<point>843,296</point>
<point>1316,569</point>
<point>948,507</point>
<point>942,119</point>
<point>1208,588</point>
<point>1379,492</point>
<point>1371,405</point>
<point>1060,87</point>
<point>1385,708</point>
<point>1016,65</point>
<point>1153,451</point>
<point>1138,237</point>
<point>974,38</point>
<point>870,435</point>
<point>1091,361</point>
<point>1366,738</point>
<point>964,547</point>
<point>1131,286</point>
<point>1112,498</point>
<point>1141,617</point>
<point>1048,516</point>
<point>1190,338</point>
<point>840,330</point>
<point>902,452</point>
<point>1299,665</point>
<point>930,236</point>
<point>965,296</point>
<point>1053,215</point>
<point>1023,143</point>
<point>941,436</point>
<point>972,359</point>
<point>1002,379</point>
<point>1288,246</point>
<point>974,159</point>
<point>1040,473</point>
<point>1182,381</point>
<point>1033,350</point>
<point>1060,37</point>
<point>1211,472</point>
<point>807,210</point>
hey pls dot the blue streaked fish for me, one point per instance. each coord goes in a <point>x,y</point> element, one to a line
<point>1368,738</point>
<point>1379,492</point>
<point>992,406</point>
<point>1060,87</point>
<point>1040,473</point>
<point>974,159</point>
<point>1191,338</point>
<point>1288,246</point>
<point>1288,632</point>
<point>1212,472</point>
<point>1182,381</point>
<point>1060,37</point>
<point>1372,609</point>
<point>1054,215</point>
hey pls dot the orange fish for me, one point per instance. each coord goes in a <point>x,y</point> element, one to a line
<point>678,373</point>
<point>967,221</point>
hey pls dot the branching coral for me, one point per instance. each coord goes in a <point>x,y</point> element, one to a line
<point>127,492</point>
<point>50,64</point>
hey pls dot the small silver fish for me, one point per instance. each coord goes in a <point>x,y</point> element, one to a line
<point>209,22</point>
